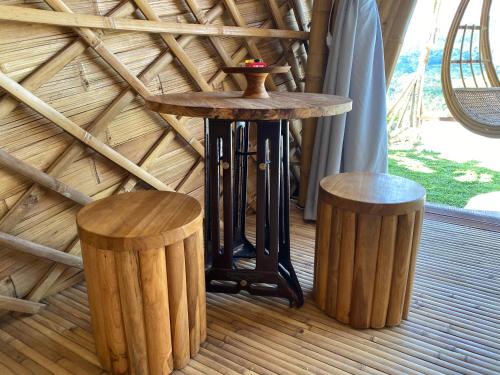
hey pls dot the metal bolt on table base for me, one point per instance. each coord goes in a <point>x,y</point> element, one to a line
<point>273,274</point>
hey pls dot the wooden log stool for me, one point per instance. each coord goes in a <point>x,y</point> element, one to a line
<point>367,236</point>
<point>145,271</point>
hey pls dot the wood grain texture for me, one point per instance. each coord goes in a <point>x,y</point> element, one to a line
<point>367,254</point>
<point>191,251</point>
<point>402,256</point>
<point>19,14</point>
<point>178,304</point>
<point>96,306</point>
<point>231,105</point>
<point>372,193</point>
<point>131,286</point>
<point>157,288</point>
<point>452,325</point>
<point>20,305</point>
<point>255,79</point>
<point>116,341</point>
<point>139,221</point>
<point>92,77</point>
<point>365,268</point>
<point>147,304</point>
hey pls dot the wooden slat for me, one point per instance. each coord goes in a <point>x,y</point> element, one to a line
<point>38,250</point>
<point>452,325</point>
<point>20,305</point>
<point>52,183</point>
<point>21,212</point>
<point>12,13</point>
<point>44,109</point>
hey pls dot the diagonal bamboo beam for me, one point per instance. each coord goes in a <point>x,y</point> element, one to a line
<point>41,251</point>
<point>49,69</point>
<point>195,168</point>
<point>41,178</point>
<point>20,305</point>
<point>174,46</point>
<point>44,285</point>
<point>95,42</point>
<point>15,13</point>
<point>189,175</point>
<point>287,49</point>
<point>148,160</point>
<point>216,43</point>
<point>249,42</point>
<point>38,105</point>
<point>97,128</point>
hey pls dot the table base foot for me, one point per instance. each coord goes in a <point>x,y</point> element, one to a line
<point>256,283</point>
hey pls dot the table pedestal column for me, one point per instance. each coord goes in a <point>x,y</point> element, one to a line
<point>226,172</point>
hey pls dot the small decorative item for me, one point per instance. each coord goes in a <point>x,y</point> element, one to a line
<point>255,72</point>
<point>255,63</point>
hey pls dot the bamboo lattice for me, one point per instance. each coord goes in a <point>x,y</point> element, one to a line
<point>81,132</point>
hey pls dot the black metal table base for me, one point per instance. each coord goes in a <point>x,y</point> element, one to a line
<point>226,157</point>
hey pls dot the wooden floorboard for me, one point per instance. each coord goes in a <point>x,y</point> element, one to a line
<point>453,327</point>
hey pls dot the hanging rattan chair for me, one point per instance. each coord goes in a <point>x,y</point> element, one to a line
<point>476,104</point>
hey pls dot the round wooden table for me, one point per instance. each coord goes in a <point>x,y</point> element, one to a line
<point>226,162</point>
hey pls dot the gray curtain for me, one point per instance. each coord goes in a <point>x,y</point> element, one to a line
<point>356,141</point>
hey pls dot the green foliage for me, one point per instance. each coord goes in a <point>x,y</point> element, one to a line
<point>447,182</point>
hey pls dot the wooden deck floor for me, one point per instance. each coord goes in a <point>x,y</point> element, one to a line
<point>454,325</point>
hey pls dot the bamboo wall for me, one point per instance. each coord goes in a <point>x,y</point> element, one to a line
<point>100,89</point>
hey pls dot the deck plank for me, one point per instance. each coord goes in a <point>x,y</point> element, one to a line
<point>453,326</point>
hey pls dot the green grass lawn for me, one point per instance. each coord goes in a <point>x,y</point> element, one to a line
<point>446,181</point>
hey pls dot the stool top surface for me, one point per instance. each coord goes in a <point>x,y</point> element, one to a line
<point>139,221</point>
<point>229,105</point>
<point>375,193</point>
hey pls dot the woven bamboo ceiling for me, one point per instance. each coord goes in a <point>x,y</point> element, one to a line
<point>58,80</point>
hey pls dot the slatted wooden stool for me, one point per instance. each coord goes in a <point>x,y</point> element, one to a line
<point>145,272</point>
<point>367,237</point>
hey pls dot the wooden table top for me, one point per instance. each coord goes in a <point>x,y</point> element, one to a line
<point>229,105</point>
<point>373,193</point>
<point>139,221</point>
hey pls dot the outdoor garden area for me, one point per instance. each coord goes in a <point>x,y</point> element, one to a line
<point>457,167</point>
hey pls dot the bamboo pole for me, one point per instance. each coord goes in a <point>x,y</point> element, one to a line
<point>249,42</point>
<point>52,66</point>
<point>14,13</point>
<point>174,46</point>
<point>20,305</point>
<point>44,73</point>
<point>135,82</point>
<point>216,43</point>
<point>395,18</point>
<point>43,286</point>
<point>41,251</point>
<point>316,65</point>
<point>288,51</point>
<point>16,90</point>
<point>26,170</point>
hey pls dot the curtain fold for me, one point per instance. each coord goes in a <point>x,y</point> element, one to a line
<point>356,141</point>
